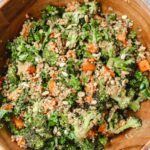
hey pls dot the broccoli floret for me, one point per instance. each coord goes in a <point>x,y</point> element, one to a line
<point>92,7</point>
<point>131,122</point>
<point>2,113</point>
<point>109,51</point>
<point>85,31</point>
<point>51,11</point>
<point>72,39</point>
<point>87,145</point>
<point>140,81</point>
<point>96,34</point>
<point>119,64</point>
<point>35,141</point>
<point>103,140</point>
<point>53,120</point>
<point>11,74</point>
<point>71,147</point>
<point>83,9</point>
<point>80,130</point>
<point>74,83</point>
<point>111,17</point>
<point>132,35</point>
<point>123,100</point>
<point>128,52</point>
<point>135,105</point>
<point>102,95</point>
<point>143,95</point>
<point>20,51</point>
<point>106,34</point>
<point>50,56</point>
<point>71,99</point>
<point>72,66</point>
<point>76,17</point>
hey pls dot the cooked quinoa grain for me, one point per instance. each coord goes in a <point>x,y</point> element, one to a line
<point>72,77</point>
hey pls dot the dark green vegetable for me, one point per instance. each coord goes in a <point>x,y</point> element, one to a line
<point>50,57</point>
<point>72,78</point>
<point>74,83</point>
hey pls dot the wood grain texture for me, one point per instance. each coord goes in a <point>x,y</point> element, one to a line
<point>11,25</point>
<point>13,18</point>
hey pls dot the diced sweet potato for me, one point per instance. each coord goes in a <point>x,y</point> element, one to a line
<point>32,69</point>
<point>7,107</point>
<point>87,66</point>
<point>92,48</point>
<point>52,87</point>
<point>102,128</point>
<point>107,70</point>
<point>144,65</point>
<point>91,134</point>
<point>89,99</point>
<point>122,37</point>
<point>71,54</point>
<point>18,122</point>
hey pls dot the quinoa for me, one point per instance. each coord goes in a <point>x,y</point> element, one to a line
<point>72,78</point>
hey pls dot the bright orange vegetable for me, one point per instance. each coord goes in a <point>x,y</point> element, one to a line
<point>18,122</point>
<point>32,69</point>
<point>7,107</point>
<point>107,70</point>
<point>91,134</point>
<point>87,66</point>
<point>89,99</point>
<point>92,48</point>
<point>122,37</point>
<point>52,86</point>
<point>102,128</point>
<point>52,35</point>
<point>71,54</point>
<point>144,65</point>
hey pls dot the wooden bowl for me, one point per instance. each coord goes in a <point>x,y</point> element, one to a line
<point>12,16</point>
